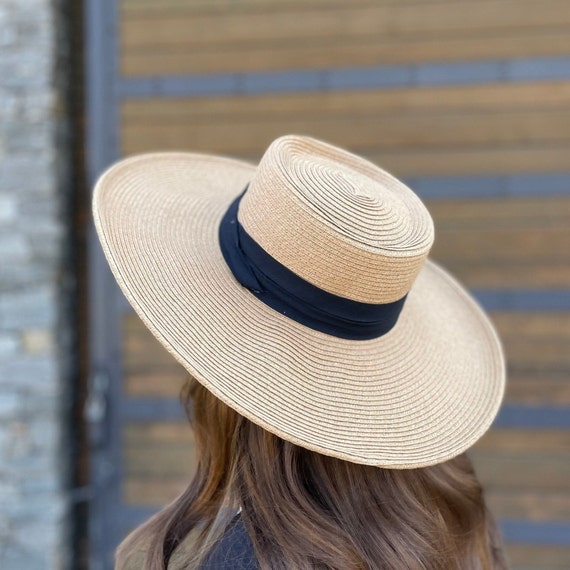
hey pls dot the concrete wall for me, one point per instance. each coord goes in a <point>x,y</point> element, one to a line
<point>34,282</point>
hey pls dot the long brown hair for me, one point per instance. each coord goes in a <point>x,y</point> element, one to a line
<point>304,510</point>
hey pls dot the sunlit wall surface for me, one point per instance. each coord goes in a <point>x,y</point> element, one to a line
<point>469,103</point>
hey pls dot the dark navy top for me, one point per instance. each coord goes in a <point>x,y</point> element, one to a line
<point>233,551</point>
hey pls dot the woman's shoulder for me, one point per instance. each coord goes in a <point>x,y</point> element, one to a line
<point>233,551</point>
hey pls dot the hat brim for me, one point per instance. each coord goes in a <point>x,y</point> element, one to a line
<point>421,394</point>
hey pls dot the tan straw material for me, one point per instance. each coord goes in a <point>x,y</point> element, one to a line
<point>420,394</point>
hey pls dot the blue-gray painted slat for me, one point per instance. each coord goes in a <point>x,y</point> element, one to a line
<point>282,81</point>
<point>179,86</point>
<point>369,77</point>
<point>361,77</point>
<point>483,186</point>
<point>540,417</point>
<point>530,300</point>
<point>460,72</point>
<point>547,533</point>
<point>459,187</point>
<point>538,68</point>
<point>152,409</point>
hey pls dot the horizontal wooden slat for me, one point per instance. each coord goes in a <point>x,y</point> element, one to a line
<point>542,388</point>
<point>489,160</point>
<point>135,6</point>
<point>525,441</point>
<point>535,343</point>
<point>157,491</point>
<point>535,327</point>
<point>503,245</point>
<point>496,97</point>
<point>158,432</point>
<point>548,275</point>
<point>501,213</point>
<point>523,472</point>
<point>363,52</point>
<point>360,133</point>
<point>159,461</point>
<point>159,450</point>
<point>339,22</point>
<point>531,506</point>
<point>536,557</point>
<point>156,382</point>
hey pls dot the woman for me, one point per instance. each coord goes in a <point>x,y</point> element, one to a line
<point>338,374</point>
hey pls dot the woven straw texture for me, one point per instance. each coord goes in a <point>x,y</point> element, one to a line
<point>420,394</point>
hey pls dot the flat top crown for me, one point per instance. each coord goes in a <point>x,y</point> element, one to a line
<point>337,220</point>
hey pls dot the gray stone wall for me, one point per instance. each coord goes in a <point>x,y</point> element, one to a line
<point>33,228</point>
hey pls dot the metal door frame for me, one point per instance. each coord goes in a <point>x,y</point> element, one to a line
<point>105,393</point>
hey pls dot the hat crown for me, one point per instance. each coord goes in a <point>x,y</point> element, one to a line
<point>338,221</point>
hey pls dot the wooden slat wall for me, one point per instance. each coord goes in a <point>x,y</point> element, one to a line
<point>177,37</point>
<point>497,127</point>
<point>475,129</point>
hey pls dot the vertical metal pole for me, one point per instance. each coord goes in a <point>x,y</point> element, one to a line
<point>101,56</point>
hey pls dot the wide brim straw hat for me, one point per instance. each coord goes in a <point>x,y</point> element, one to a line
<point>416,385</point>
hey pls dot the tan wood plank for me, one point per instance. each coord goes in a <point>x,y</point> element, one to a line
<point>498,97</point>
<point>136,359</point>
<point>505,213</point>
<point>157,6</point>
<point>535,275</point>
<point>169,462</point>
<point>492,160</point>
<point>180,60</point>
<point>544,327</point>
<point>153,491</point>
<point>518,472</point>
<point>539,348</point>
<point>534,567</point>
<point>141,433</point>
<point>502,245</point>
<point>385,132</point>
<point>342,22</point>
<point>160,382</point>
<point>539,389</point>
<point>550,506</point>
<point>528,356</point>
<point>159,449</point>
<point>536,557</point>
<point>166,444</point>
<point>525,441</point>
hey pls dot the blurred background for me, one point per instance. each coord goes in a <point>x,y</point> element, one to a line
<point>467,101</point>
